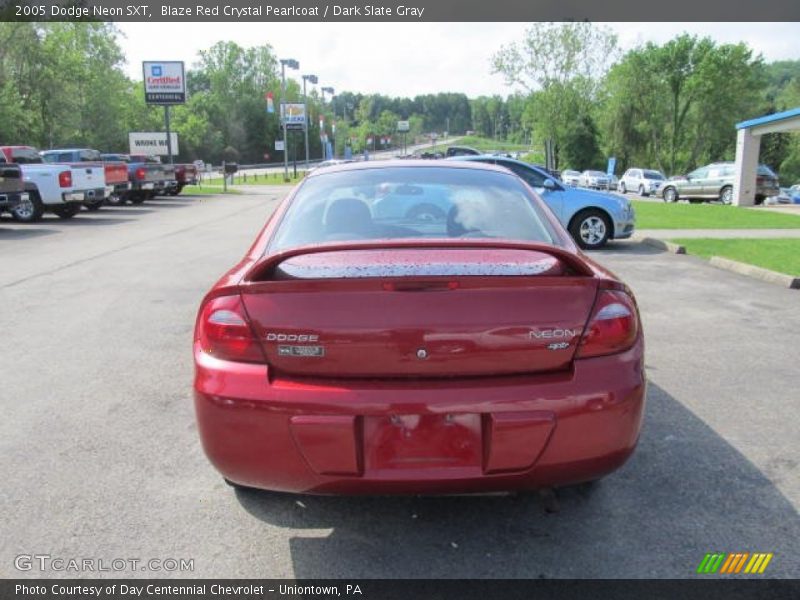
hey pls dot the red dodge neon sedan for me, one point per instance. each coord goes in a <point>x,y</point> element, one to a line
<point>417,327</point>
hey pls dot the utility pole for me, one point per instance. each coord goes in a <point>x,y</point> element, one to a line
<point>313,79</point>
<point>292,64</point>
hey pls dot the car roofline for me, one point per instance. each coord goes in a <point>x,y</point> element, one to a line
<point>407,164</point>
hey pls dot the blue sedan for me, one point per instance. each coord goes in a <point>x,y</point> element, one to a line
<point>592,218</point>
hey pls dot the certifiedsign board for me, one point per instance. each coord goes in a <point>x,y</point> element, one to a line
<point>164,82</point>
<point>403,126</point>
<point>152,143</point>
<point>278,145</point>
<point>294,115</point>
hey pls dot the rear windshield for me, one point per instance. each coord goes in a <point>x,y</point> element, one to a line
<point>653,175</point>
<point>26,156</point>
<point>765,170</point>
<point>398,203</point>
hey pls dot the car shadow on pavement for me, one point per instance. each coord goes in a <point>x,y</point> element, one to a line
<point>685,492</point>
<point>23,232</point>
<point>84,220</point>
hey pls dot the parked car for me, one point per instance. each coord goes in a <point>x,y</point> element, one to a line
<point>642,181</point>
<point>715,182</point>
<point>785,196</point>
<point>185,174</point>
<point>591,217</point>
<point>349,354</point>
<point>146,176</point>
<point>60,189</point>
<point>167,181</point>
<point>116,173</point>
<point>462,151</point>
<point>596,180</point>
<point>571,178</point>
<point>12,185</point>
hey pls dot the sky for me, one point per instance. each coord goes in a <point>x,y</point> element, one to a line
<point>407,59</point>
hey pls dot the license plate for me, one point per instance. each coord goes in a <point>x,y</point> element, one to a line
<point>148,186</point>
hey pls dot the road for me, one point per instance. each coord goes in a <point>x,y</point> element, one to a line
<point>100,454</point>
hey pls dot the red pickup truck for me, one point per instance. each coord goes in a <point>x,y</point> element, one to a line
<point>184,175</point>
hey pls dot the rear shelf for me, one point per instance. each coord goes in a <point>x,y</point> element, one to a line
<point>420,312</point>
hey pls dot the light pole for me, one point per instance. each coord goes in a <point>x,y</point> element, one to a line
<point>292,64</point>
<point>331,91</point>
<point>313,79</point>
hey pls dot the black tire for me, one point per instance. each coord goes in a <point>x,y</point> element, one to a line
<point>622,188</point>
<point>426,212</point>
<point>116,200</point>
<point>670,194</point>
<point>67,211</point>
<point>137,197</point>
<point>759,200</point>
<point>726,194</point>
<point>94,205</point>
<point>641,190</point>
<point>30,211</point>
<point>590,228</point>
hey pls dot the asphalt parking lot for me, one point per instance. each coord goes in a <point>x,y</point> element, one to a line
<point>100,455</point>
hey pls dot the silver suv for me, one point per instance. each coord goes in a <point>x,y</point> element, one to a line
<point>642,181</point>
<point>715,182</point>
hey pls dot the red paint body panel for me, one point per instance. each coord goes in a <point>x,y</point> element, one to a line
<point>490,405</point>
<point>245,424</point>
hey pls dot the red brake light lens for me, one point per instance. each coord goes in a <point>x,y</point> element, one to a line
<point>224,332</point>
<point>613,327</point>
<point>140,174</point>
<point>65,179</point>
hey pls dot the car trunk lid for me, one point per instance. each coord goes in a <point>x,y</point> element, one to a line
<point>424,312</point>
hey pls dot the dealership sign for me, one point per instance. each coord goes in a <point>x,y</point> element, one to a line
<point>293,115</point>
<point>152,143</point>
<point>164,82</point>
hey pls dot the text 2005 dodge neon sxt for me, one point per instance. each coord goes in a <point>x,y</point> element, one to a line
<point>417,327</point>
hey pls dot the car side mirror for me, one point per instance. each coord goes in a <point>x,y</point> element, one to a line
<point>549,184</point>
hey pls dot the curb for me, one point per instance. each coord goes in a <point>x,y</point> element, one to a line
<point>662,245</point>
<point>766,275</point>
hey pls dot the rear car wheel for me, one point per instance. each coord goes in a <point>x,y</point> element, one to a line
<point>726,194</point>
<point>67,211</point>
<point>670,195</point>
<point>641,190</point>
<point>622,187</point>
<point>137,197</point>
<point>116,200</point>
<point>30,210</point>
<point>93,205</point>
<point>590,228</point>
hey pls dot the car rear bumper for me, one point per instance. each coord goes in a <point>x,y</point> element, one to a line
<point>394,437</point>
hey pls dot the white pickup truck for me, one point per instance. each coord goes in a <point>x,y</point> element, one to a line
<point>61,189</point>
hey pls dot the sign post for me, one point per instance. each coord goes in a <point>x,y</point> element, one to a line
<point>164,85</point>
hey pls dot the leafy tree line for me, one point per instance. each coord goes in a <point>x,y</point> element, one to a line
<point>671,106</point>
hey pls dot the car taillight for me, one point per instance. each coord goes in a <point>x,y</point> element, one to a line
<point>65,179</point>
<point>613,326</point>
<point>223,331</point>
<point>140,173</point>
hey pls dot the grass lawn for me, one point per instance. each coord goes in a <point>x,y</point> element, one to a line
<point>262,179</point>
<point>660,215</point>
<point>776,254</point>
<point>206,190</point>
